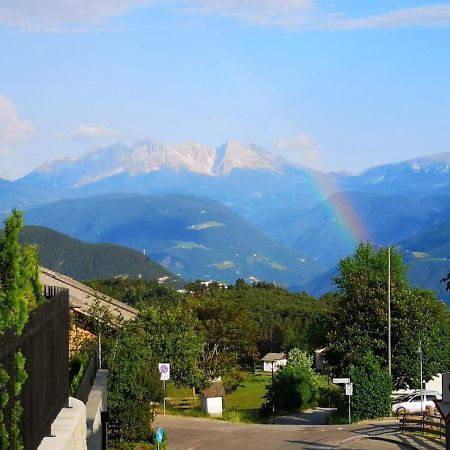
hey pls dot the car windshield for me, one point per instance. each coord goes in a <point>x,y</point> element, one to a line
<point>403,398</point>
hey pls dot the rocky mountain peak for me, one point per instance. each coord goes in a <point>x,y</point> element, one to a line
<point>150,156</point>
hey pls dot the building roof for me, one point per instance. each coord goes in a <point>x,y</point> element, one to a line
<point>270,357</point>
<point>82,297</point>
<point>215,390</point>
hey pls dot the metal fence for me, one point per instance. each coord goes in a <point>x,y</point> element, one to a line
<point>44,343</point>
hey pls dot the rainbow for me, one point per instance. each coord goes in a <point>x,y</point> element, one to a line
<point>340,209</point>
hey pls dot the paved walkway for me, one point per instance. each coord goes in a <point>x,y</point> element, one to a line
<point>316,416</point>
<point>203,434</point>
<point>388,431</point>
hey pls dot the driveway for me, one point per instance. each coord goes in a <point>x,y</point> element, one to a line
<point>316,416</point>
<point>203,434</point>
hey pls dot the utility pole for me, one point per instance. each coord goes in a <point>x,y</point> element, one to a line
<point>273,396</point>
<point>420,352</point>
<point>389,311</point>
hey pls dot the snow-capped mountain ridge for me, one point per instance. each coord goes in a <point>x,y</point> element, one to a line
<point>150,156</point>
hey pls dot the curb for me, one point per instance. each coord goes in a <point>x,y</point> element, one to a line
<point>380,419</point>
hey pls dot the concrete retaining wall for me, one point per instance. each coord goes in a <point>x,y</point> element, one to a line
<point>97,402</point>
<point>68,429</point>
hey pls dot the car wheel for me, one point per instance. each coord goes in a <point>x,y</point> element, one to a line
<point>401,411</point>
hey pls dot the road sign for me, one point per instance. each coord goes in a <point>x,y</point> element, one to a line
<point>349,389</point>
<point>164,371</point>
<point>443,406</point>
<point>159,435</point>
<point>341,380</point>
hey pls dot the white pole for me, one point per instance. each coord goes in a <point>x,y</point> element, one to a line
<point>389,311</point>
<point>421,375</point>
<point>99,350</point>
<point>349,410</point>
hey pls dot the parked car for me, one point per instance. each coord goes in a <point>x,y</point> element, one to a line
<point>412,403</point>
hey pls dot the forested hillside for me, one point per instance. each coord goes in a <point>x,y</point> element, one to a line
<point>281,319</point>
<point>83,261</point>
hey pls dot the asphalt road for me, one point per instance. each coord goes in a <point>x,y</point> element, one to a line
<point>203,434</point>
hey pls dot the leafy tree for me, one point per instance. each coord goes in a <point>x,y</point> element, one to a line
<point>135,292</point>
<point>372,387</point>
<point>295,386</point>
<point>133,382</point>
<point>12,299</point>
<point>20,290</point>
<point>230,335</point>
<point>360,319</point>
<point>173,336</point>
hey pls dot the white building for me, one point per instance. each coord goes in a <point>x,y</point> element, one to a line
<point>273,360</point>
<point>212,399</point>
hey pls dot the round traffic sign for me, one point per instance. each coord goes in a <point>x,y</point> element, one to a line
<point>159,435</point>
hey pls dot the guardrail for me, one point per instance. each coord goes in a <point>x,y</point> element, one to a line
<point>424,423</point>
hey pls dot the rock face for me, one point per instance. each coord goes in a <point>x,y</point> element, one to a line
<point>152,156</point>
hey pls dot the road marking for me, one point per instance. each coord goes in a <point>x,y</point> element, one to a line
<point>352,439</point>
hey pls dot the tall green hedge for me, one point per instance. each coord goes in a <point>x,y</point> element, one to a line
<point>372,387</point>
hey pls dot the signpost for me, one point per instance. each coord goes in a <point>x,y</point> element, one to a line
<point>341,380</point>
<point>348,391</point>
<point>164,375</point>
<point>443,407</point>
<point>164,371</point>
<point>159,435</point>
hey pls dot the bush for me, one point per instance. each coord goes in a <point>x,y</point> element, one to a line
<point>372,388</point>
<point>331,396</point>
<point>295,386</point>
<point>77,368</point>
<point>133,382</point>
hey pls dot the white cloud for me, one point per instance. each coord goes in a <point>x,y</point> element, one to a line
<point>286,13</point>
<point>92,132</point>
<point>300,149</point>
<point>81,15</point>
<point>12,127</point>
<point>41,14</point>
<point>424,16</point>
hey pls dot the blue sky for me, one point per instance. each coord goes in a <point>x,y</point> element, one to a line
<point>334,85</point>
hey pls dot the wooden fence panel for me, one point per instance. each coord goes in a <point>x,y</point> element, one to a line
<point>45,345</point>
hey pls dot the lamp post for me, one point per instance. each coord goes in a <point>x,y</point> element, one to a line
<point>389,311</point>
<point>273,396</point>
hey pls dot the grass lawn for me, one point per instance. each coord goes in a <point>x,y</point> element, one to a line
<point>250,394</point>
<point>173,391</point>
